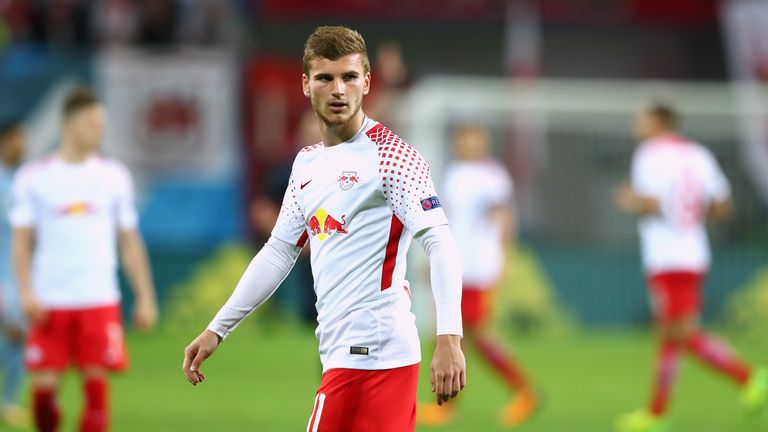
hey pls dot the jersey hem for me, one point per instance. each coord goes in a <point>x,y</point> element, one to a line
<point>79,305</point>
<point>651,271</point>
<point>382,365</point>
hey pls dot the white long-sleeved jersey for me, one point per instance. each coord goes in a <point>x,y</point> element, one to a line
<point>358,203</point>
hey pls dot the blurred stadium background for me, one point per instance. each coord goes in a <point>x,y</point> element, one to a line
<point>205,107</point>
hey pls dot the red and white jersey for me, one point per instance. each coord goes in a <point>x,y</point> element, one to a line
<point>75,211</point>
<point>685,178</point>
<point>359,203</point>
<point>472,190</point>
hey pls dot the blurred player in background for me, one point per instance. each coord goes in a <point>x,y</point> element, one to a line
<point>70,212</point>
<point>265,209</point>
<point>358,197</point>
<point>12,320</point>
<point>676,187</point>
<point>478,202</point>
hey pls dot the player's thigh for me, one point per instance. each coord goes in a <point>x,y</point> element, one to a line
<point>100,342</point>
<point>46,379</point>
<point>337,401</point>
<point>675,297</point>
<point>389,400</point>
<point>475,306</point>
<point>366,401</point>
<point>49,346</point>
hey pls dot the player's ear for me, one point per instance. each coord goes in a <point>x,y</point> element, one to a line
<point>367,83</point>
<point>305,84</point>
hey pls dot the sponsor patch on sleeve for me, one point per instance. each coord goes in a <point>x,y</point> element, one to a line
<point>430,203</point>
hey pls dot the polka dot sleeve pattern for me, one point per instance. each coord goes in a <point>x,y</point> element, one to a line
<point>290,225</point>
<point>405,182</point>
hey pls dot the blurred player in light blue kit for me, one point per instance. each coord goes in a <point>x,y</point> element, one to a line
<point>11,316</point>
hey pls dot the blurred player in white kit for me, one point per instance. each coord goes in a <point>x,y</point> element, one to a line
<point>478,194</point>
<point>71,212</point>
<point>676,187</point>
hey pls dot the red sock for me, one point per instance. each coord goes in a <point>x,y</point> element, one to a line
<point>717,354</point>
<point>46,410</point>
<point>503,363</point>
<point>666,372</point>
<point>96,412</point>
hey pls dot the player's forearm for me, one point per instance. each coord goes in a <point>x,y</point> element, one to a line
<point>636,203</point>
<point>136,265</point>
<point>262,277</point>
<point>445,275</point>
<point>646,206</point>
<point>22,258</point>
<point>508,227</point>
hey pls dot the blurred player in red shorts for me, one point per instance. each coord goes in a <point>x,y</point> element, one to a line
<point>70,211</point>
<point>478,201</point>
<point>677,185</point>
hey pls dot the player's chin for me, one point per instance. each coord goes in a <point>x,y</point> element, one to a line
<point>332,118</point>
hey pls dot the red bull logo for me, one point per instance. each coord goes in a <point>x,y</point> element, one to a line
<point>77,209</point>
<point>347,179</point>
<point>322,225</point>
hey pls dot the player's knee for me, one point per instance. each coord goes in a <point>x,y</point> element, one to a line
<point>679,329</point>
<point>45,379</point>
<point>93,372</point>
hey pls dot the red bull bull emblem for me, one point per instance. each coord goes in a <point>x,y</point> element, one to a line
<point>76,209</point>
<point>347,179</point>
<point>321,224</point>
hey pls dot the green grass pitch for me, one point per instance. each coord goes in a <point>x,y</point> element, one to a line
<point>265,381</point>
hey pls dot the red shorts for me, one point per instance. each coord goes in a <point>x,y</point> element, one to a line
<point>80,337</point>
<point>352,400</point>
<point>476,307</point>
<point>675,295</point>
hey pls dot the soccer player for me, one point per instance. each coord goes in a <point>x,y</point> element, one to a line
<point>12,323</point>
<point>358,198</point>
<point>478,202</point>
<point>676,187</point>
<point>70,212</point>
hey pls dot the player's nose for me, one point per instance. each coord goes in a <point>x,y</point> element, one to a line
<point>338,87</point>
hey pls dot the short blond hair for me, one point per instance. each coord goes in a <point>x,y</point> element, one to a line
<point>333,43</point>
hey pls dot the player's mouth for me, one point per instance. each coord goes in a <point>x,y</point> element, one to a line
<point>337,106</point>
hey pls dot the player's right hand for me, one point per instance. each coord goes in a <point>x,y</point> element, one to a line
<point>32,309</point>
<point>196,353</point>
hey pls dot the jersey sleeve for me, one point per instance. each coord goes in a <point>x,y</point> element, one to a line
<point>290,226</point>
<point>503,189</point>
<point>127,216</point>
<point>23,209</point>
<point>406,183</point>
<point>717,186</point>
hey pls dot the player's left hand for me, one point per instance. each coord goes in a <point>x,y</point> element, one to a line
<point>449,369</point>
<point>145,314</point>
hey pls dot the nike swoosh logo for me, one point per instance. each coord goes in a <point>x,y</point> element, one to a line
<point>304,184</point>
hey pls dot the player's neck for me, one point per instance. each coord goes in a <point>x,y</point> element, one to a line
<point>337,134</point>
<point>70,153</point>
